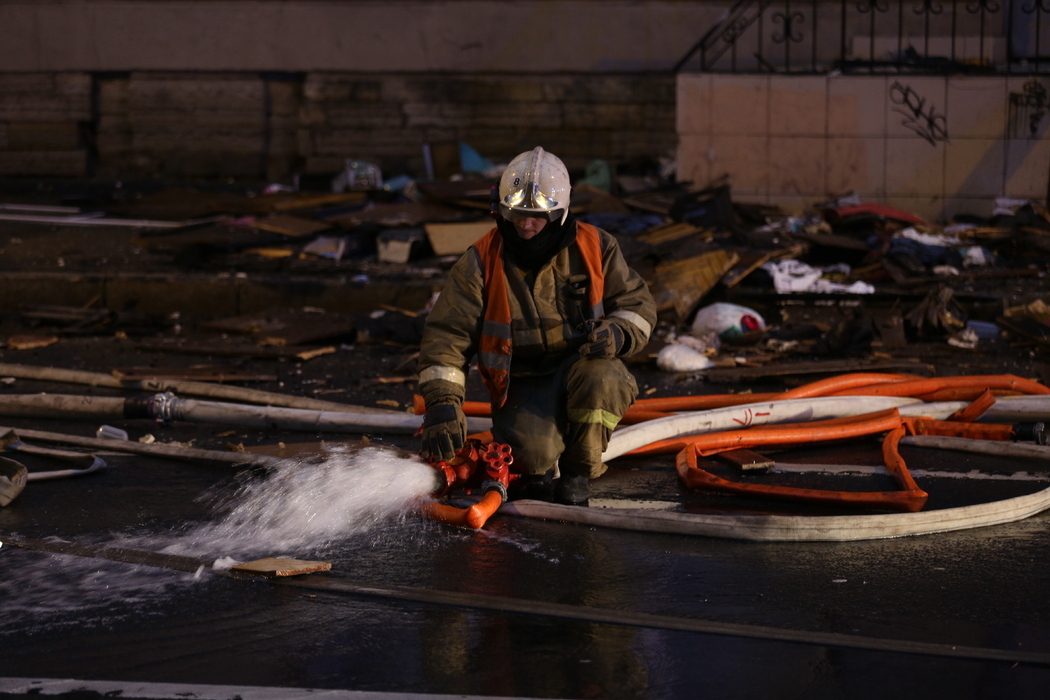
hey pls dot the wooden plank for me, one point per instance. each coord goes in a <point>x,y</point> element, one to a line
<point>290,225</point>
<point>668,232</point>
<point>279,566</point>
<point>746,460</point>
<point>270,351</point>
<point>201,374</point>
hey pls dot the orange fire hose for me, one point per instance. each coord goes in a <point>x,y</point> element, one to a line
<point>910,498</point>
<point>474,516</point>
<point>976,408</point>
<point>845,383</point>
<point>918,387</point>
<point>980,390</point>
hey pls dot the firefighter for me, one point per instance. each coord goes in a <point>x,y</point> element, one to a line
<point>548,306</point>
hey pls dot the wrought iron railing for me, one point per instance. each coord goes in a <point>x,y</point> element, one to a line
<point>907,36</point>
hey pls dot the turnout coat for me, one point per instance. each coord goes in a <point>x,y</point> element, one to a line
<point>546,309</point>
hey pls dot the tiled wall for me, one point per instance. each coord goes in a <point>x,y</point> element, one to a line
<point>937,146</point>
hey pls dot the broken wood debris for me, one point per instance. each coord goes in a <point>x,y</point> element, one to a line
<point>280,566</point>
<point>291,225</point>
<point>223,350</point>
<point>680,285</point>
<point>198,374</point>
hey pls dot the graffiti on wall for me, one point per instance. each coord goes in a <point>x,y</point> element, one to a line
<point>1027,109</point>
<point>918,116</point>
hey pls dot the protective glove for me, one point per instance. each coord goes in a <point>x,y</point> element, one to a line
<point>604,339</point>
<point>444,431</point>
<point>444,425</point>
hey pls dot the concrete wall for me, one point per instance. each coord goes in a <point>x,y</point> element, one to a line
<point>259,89</point>
<point>936,146</point>
<point>532,36</point>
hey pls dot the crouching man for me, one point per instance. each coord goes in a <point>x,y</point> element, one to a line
<point>548,305</point>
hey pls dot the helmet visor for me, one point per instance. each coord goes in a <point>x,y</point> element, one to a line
<point>516,216</point>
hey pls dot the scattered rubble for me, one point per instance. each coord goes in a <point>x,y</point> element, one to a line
<point>845,280</point>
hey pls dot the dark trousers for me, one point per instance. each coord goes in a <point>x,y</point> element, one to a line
<point>564,419</point>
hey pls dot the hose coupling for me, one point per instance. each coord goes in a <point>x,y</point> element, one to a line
<point>162,407</point>
<point>1030,432</point>
<point>496,486</point>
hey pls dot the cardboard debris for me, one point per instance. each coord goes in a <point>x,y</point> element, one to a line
<point>277,566</point>
<point>454,239</point>
<point>682,284</point>
<point>400,245</point>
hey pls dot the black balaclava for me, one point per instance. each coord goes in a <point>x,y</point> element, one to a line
<point>536,252</point>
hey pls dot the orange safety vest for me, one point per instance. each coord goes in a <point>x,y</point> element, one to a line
<point>494,346</point>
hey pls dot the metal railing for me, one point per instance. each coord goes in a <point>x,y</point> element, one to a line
<point>877,36</point>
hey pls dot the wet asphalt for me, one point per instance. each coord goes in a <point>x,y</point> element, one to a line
<point>74,617</point>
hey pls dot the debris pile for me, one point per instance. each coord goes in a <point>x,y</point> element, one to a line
<point>862,284</point>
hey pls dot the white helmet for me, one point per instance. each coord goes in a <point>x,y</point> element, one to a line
<point>535,184</point>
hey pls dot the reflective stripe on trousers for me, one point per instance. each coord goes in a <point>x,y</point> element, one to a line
<point>568,415</point>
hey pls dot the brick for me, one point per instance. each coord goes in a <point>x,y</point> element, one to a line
<point>541,115</point>
<point>209,164</point>
<point>283,97</point>
<point>113,96</point>
<point>198,141</point>
<point>613,89</point>
<point>464,90</point>
<point>604,116</point>
<point>113,141</point>
<point>321,165</point>
<point>364,143</point>
<point>194,92</point>
<point>224,120</point>
<point>42,108</point>
<point>430,115</point>
<point>368,115</point>
<point>305,142</point>
<point>75,86</point>
<point>44,163</point>
<point>341,88</point>
<point>43,136</point>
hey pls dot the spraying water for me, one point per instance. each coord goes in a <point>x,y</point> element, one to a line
<point>295,509</point>
<point>301,507</point>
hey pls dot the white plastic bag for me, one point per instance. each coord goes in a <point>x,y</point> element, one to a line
<point>727,321</point>
<point>680,358</point>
